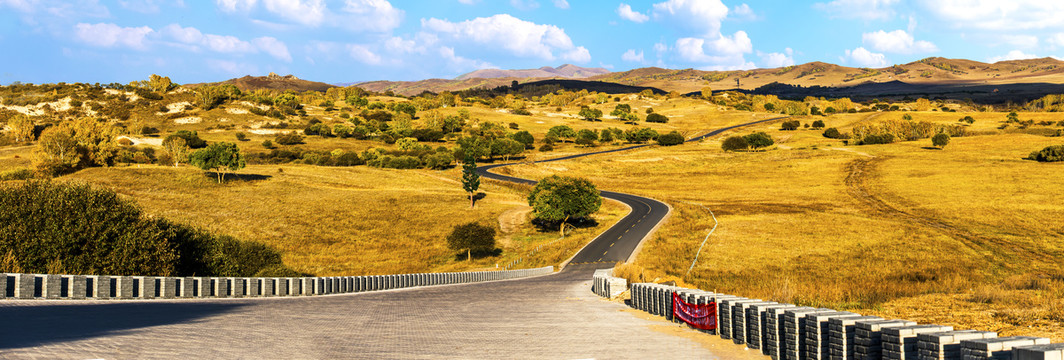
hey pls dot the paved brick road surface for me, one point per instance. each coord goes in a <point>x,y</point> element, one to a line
<point>549,317</point>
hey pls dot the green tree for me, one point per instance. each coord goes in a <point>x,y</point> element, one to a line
<point>222,156</point>
<point>470,178</point>
<point>525,138</point>
<point>506,148</point>
<point>405,107</point>
<point>586,137</point>
<point>657,118</point>
<point>561,132</point>
<point>639,135</point>
<point>559,198</point>
<point>759,140</point>
<point>734,143</point>
<point>940,140</point>
<point>471,237</point>
<point>590,114</point>
<point>209,96</point>
<point>818,124</point>
<point>621,110</point>
<point>670,139</point>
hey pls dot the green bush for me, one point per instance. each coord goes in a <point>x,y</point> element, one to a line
<point>790,125</point>
<point>878,139</point>
<point>16,174</point>
<point>734,143</point>
<point>670,139</point>
<point>288,139</point>
<point>77,229</point>
<point>818,124</point>
<point>759,140</point>
<point>192,139</point>
<point>833,133</point>
<point>657,118</point>
<point>473,238</point>
<point>1048,154</point>
<point>940,140</point>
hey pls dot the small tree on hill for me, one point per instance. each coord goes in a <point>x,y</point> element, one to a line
<point>940,140</point>
<point>759,140</point>
<point>657,118</point>
<point>222,157</point>
<point>176,148</point>
<point>670,139</point>
<point>734,143</point>
<point>471,237</point>
<point>590,114</point>
<point>470,178</point>
<point>818,124</point>
<point>558,198</point>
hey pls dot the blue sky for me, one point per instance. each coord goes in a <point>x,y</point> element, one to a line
<point>358,40</point>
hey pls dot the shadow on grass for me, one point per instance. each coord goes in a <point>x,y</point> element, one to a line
<point>236,177</point>
<point>29,326</point>
<point>478,254</point>
<point>553,226</point>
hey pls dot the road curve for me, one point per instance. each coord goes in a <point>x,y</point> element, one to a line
<point>617,243</point>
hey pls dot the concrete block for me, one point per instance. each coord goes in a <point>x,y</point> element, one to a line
<point>52,285</point>
<point>186,287</point>
<point>238,287</point>
<point>25,285</point>
<point>203,286</point>
<point>793,345</point>
<point>4,279</point>
<point>757,334</point>
<point>741,326</point>
<point>123,286</point>
<point>269,286</point>
<point>842,333</point>
<point>772,326</point>
<point>947,345</point>
<point>168,287</point>
<point>1038,352</point>
<point>77,289</point>
<point>221,287</point>
<point>899,343</point>
<point>997,348</point>
<point>145,287</point>
<point>725,318</point>
<point>101,286</point>
<point>817,333</point>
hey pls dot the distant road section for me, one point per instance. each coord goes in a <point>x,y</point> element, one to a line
<point>618,242</point>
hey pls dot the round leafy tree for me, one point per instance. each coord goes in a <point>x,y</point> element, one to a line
<point>471,237</point>
<point>223,156</point>
<point>559,198</point>
<point>940,140</point>
<point>672,138</point>
<point>734,143</point>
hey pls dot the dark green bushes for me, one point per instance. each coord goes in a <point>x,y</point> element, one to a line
<point>1048,154</point>
<point>670,139</point>
<point>77,229</point>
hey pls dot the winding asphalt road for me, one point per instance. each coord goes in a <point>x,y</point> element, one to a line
<point>619,242</point>
<point>553,316</point>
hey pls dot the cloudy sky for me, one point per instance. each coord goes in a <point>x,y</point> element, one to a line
<point>357,40</point>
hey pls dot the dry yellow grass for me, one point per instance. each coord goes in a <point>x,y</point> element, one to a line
<point>858,227</point>
<point>340,221</point>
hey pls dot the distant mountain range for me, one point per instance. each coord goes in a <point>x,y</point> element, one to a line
<point>567,71</point>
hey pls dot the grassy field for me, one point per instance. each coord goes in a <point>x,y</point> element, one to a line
<point>343,221</point>
<point>874,228</point>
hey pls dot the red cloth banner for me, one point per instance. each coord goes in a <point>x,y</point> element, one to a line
<point>702,316</point>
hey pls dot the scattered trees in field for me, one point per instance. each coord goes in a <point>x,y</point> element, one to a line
<point>753,141</point>
<point>586,137</point>
<point>74,145</point>
<point>818,124</point>
<point>590,114</point>
<point>790,125</point>
<point>940,140</point>
<point>221,157</point>
<point>472,237</point>
<point>559,198</point>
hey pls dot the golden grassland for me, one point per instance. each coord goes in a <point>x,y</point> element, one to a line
<point>344,221</point>
<point>972,228</point>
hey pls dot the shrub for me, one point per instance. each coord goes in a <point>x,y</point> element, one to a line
<point>546,147</point>
<point>1048,154</point>
<point>514,126</point>
<point>241,136</point>
<point>125,142</point>
<point>192,139</point>
<point>734,143</point>
<point>267,144</point>
<point>670,139</point>
<point>288,139</point>
<point>833,133</point>
<point>759,140</point>
<point>940,140</point>
<point>520,112</point>
<point>16,174</point>
<point>790,125</point>
<point>77,229</point>
<point>878,139</point>
<point>819,124</point>
<point>657,118</point>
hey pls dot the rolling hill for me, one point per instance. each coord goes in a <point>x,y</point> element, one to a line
<point>565,71</point>
<point>273,82</point>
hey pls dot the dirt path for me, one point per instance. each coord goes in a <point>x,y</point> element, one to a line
<point>861,172</point>
<point>510,221</point>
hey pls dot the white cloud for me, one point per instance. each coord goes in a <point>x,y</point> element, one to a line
<point>461,63</point>
<point>864,58</point>
<point>561,4</point>
<point>1020,41</point>
<point>236,5</point>
<point>859,9</point>
<point>111,35</point>
<point>524,5</point>
<point>354,15</point>
<point>232,68</point>
<point>632,56</point>
<point>998,15</point>
<point>227,44</point>
<point>724,53</point>
<point>1056,39</point>
<point>520,38</point>
<point>1012,55</point>
<point>626,12</point>
<point>143,6</point>
<point>274,47</point>
<point>362,53</point>
<point>775,60</point>
<point>897,41</point>
<point>702,16</point>
<point>371,15</point>
<point>306,12</point>
<point>743,11</point>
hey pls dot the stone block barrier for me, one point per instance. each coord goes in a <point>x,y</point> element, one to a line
<point>77,287</point>
<point>789,332</point>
